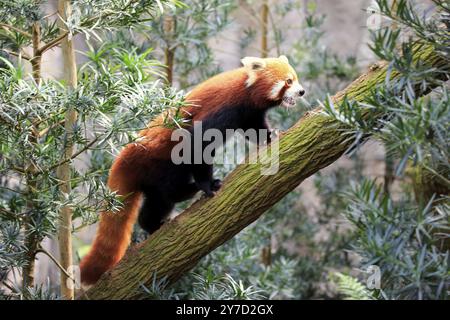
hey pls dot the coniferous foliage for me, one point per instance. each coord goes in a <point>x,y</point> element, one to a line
<point>184,33</point>
<point>116,94</point>
<point>405,236</point>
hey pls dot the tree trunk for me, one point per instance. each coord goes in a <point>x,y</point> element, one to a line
<point>264,29</point>
<point>36,60</point>
<point>432,186</point>
<point>169,50</point>
<point>313,143</point>
<point>63,171</point>
<point>31,240</point>
<point>389,174</point>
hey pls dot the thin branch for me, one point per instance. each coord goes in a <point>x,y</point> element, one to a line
<point>19,55</point>
<point>10,215</point>
<point>52,43</point>
<point>105,15</point>
<point>276,33</point>
<point>10,287</point>
<point>76,154</point>
<point>46,130</point>
<point>438,175</point>
<point>48,254</point>
<point>58,40</point>
<point>49,15</point>
<point>19,170</point>
<point>37,122</point>
<point>253,15</point>
<point>18,30</point>
<point>11,190</point>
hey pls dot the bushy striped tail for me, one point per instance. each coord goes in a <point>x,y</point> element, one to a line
<point>111,241</point>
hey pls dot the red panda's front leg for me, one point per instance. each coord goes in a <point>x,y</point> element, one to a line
<point>259,122</point>
<point>203,177</point>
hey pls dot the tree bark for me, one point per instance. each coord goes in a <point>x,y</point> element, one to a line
<point>36,60</point>
<point>264,29</point>
<point>313,143</point>
<point>31,240</point>
<point>63,171</point>
<point>169,50</point>
<point>432,186</point>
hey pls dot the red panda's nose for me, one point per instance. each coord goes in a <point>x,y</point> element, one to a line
<point>301,92</point>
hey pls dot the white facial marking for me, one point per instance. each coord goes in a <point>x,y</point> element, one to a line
<point>276,89</point>
<point>252,64</point>
<point>251,79</point>
<point>292,94</point>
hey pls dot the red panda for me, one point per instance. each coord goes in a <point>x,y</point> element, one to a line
<point>237,99</point>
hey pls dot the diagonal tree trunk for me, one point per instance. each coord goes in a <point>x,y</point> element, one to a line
<point>313,143</point>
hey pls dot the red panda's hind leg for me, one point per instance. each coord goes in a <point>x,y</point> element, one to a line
<point>184,193</point>
<point>154,209</point>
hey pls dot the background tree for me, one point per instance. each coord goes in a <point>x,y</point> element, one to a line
<point>37,138</point>
<point>405,237</point>
<point>181,36</point>
<point>63,171</point>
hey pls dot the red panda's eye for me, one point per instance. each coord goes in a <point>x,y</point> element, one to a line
<point>289,81</point>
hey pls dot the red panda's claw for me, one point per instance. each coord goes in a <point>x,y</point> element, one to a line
<point>216,184</point>
<point>208,194</point>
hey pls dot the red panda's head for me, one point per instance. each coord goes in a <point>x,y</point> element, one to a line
<point>273,80</point>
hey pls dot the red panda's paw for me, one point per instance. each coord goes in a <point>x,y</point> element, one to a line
<point>209,188</point>
<point>216,184</point>
<point>208,194</point>
<point>205,186</point>
<point>275,133</point>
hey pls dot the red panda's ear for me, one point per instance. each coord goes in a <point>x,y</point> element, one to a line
<point>253,63</point>
<point>284,59</point>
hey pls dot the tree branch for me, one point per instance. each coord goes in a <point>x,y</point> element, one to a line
<point>22,32</point>
<point>10,215</point>
<point>56,262</point>
<point>53,43</point>
<point>76,154</point>
<point>313,143</point>
<point>19,55</point>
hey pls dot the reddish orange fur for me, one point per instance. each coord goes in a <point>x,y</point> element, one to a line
<point>114,232</point>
